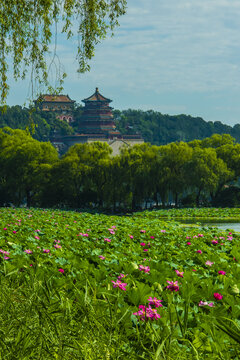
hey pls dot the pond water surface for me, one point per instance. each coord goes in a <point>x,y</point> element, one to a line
<point>220,225</point>
<point>224,226</point>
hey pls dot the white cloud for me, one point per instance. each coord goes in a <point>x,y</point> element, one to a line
<point>161,46</point>
<point>174,45</point>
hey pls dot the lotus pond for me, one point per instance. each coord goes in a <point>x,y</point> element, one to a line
<point>82,286</point>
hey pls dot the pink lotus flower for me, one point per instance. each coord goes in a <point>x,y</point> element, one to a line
<point>61,271</point>
<point>199,251</point>
<point>179,273</point>
<point>147,313</point>
<point>214,242</point>
<point>152,237</point>
<point>14,232</point>
<point>37,237</point>
<point>145,250</point>
<point>222,272</point>
<point>200,235</point>
<point>6,258</point>
<point>107,240</point>
<point>188,243</point>
<point>209,263</point>
<point>142,231</point>
<point>119,284</point>
<point>46,251</point>
<point>206,303</point>
<point>31,265</point>
<point>218,296</point>
<point>57,246</point>
<point>4,228</point>
<point>229,238</point>
<point>188,237</point>
<point>121,276</point>
<point>155,302</point>
<point>28,251</point>
<point>4,252</point>
<point>142,243</point>
<point>146,269</point>
<point>131,236</point>
<point>173,285</point>
<point>101,257</point>
<point>163,231</point>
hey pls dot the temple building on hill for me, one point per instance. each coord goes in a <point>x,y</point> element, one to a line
<point>97,117</point>
<point>97,124</point>
<point>62,105</point>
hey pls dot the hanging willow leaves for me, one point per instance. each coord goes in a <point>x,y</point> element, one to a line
<point>28,27</point>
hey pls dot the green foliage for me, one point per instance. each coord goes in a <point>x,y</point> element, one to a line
<point>25,164</point>
<point>88,176</point>
<point>26,32</point>
<point>45,123</point>
<point>78,314</point>
<point>161,129</point>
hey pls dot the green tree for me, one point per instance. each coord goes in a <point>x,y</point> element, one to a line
<point>26,31</point>
<point>174,158</point>
<point>230,154</point>
<point>46,123</point>
<point>160,174</point>
<point>217,140</point>
<point>81,175</point>
<point>25,164</point>
<point>117,186</point>
<point>206,172</point>
<point>136,163</point>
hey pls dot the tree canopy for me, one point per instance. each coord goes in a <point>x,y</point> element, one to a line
<point>89,176</point>
<point>29,27</point>
<point>160,129</point>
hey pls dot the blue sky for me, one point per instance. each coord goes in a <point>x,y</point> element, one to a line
<point>175,56</point>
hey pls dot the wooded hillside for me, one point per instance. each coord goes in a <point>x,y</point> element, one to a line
<point>160,129</point>
<point>155,128</point>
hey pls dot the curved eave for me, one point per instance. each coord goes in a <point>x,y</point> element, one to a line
<point>96,97</point>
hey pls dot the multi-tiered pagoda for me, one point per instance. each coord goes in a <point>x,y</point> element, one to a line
<point>97,118</point>
<point>97,124</point>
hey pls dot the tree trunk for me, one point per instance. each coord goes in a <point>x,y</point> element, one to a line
<point>29,198</point>
<point>176,199</point>
<point>133,202</point>
<point>198,197</point>
<point>156,198</point>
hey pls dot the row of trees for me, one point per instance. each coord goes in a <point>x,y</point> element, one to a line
<point>154,127</point>
<point>88,175</point>
<point>161,129</point>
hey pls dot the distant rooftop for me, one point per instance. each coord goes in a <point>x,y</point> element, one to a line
<point>55,98</point>
<point>97,97</point>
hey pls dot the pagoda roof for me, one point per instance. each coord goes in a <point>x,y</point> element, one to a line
<point>97,97</point>
<point>55,98</point>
